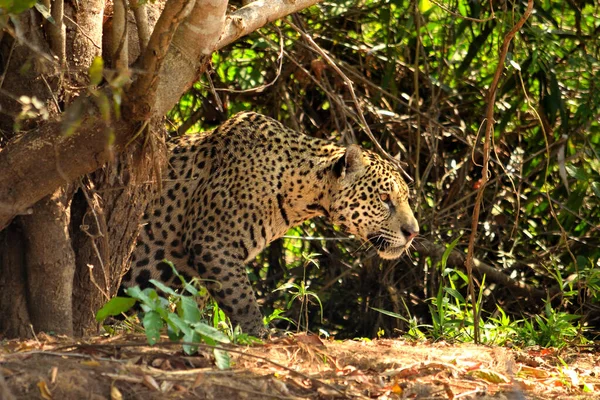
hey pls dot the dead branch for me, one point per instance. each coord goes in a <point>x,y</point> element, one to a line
<point>457,260</point>
<point>491,98</point>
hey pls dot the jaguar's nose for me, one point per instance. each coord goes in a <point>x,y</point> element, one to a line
<point>410,230</point>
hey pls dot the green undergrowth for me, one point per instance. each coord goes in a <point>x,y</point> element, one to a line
<point>452,317</point>
<point>164,308</point>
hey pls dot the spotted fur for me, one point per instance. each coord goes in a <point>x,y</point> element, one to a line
<point>230,192</point>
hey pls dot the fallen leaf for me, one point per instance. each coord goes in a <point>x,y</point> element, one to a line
<point>91,363</point>
<point>198,381</point>
<point>166,386</point>
<point>308,339</point>
<point>151,382</point>
<point>115,394</point>
<point>489,375</point>
<point>396,389</point>
<point>44,390</point>
<point>534,372</point>
<point>53,374</point>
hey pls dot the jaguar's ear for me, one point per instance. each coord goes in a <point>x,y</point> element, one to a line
<point>351,161</point>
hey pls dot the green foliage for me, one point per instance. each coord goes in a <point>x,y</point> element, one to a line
<point>15,6</point>
<point>180,315</point>
<point>115,306</point>
<point>554,329</point>
<point>452,317</point>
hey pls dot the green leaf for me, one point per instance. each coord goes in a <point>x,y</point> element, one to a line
<point>596,188</point>
<point>448,251</point>
<point>191,289</point>
<point>42,9</point>
<point>192,337</point>
<point>180,324</point>
<point>390,314</point>
<point>189,309</point>
<point>455,293</point>
<point>145,296</point>
<point>577,173</point>
<point>163,288</point>
<point>210,332</point>
<point>115,306</point>
<point>96,70</point>
<point>425,5</point>
<point>153,324</point>
<point>222,359</point>
<point>515,65</point>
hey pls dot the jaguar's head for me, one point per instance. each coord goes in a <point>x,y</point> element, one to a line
<point>369,198</point>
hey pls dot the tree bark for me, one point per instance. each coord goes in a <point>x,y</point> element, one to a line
<point>50,267</point>
<point>13,298</point>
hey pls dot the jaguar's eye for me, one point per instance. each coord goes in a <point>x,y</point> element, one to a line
<point>384,197</point>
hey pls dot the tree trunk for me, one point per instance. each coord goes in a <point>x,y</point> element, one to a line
<point>49,263</point>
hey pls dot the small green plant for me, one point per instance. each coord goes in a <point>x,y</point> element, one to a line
<point>415,330</point>
<point>553,329</point>
<point>275,315</point>
<point>300,292</point>
<point>179,313</point>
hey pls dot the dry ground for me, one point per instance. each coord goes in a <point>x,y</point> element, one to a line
<point>300,367</point>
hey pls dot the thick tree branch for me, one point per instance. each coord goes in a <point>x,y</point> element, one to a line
<point>256,15</point>
<point>43,160</point>
<point>119,35</point>
<point>57,31</point>
<point>144,90</point>
<point>188,54</point>
<point>202,28</point>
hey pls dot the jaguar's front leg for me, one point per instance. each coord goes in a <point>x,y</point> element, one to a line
<point>227,281</point>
